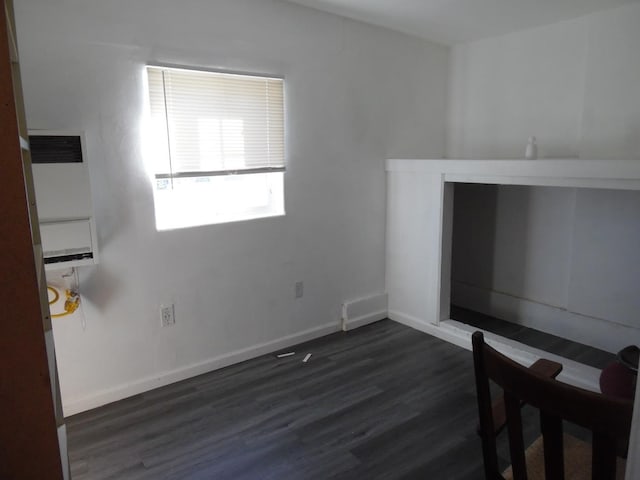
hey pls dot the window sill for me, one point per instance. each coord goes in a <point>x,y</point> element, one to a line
<point>241,217</point>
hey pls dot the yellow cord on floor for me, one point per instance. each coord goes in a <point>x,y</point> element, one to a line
<point>71,303</point>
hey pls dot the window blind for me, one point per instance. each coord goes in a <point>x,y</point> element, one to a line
<point>216,123</point>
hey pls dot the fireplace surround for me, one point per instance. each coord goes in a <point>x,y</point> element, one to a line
<point>419,231</point>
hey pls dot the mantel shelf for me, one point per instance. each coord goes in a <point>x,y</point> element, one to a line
<point>612,174</point>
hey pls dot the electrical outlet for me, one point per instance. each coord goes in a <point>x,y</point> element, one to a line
<point>167,315</point>
<point>299,289</point>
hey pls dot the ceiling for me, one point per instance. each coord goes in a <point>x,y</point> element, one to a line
<point>458,21</point>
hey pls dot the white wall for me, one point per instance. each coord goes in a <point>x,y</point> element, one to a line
<point>560,260</point>
<point>355,95</point>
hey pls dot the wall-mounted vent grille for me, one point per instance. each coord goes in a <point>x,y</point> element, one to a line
<point>55,148</point>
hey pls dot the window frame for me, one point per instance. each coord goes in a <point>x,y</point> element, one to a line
<point>276,205</point>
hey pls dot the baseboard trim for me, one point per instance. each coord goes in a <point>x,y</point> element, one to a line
<point>459,334</point>
<point>363,311</point>
<point>430,328</point>
<point>121,392</point>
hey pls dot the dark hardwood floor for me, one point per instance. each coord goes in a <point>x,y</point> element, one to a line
<point>381,402</point>
<point>535,338</point>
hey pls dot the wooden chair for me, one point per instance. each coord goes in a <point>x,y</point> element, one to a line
<point>608,418</point>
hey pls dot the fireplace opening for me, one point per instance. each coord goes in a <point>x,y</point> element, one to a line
<point>554,268</point>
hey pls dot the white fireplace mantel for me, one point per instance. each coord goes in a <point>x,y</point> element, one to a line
<point>418,242</point>
<point>613,174</point>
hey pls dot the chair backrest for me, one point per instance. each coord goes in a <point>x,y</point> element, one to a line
<point>608,418</point>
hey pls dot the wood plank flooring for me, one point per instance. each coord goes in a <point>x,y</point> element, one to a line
<point>381,402</point>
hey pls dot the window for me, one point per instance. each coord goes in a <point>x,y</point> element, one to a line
<point>217,146</point>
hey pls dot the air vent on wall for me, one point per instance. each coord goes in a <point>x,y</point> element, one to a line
<point>55,148</point>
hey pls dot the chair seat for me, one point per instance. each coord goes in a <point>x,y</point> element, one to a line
<point>577,461</point>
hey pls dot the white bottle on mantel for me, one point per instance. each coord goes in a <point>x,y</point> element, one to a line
<point>532,149</point>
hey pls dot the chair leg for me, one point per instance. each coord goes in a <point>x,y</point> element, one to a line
<point>516,442</point>
<point>551,428</point>
<point>604,457</point>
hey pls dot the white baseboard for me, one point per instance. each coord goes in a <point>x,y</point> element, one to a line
<point>363,311</point>
<point>430,328</point>
<point>595,332</point>
<point>459,334</point>
<point>73,406</point>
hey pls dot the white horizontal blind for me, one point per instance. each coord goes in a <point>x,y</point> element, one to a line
<point>216,123</point>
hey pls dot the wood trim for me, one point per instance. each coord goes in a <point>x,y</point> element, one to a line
<point>28,435</point>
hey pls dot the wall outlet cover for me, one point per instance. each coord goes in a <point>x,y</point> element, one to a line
<point>167,315</point>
